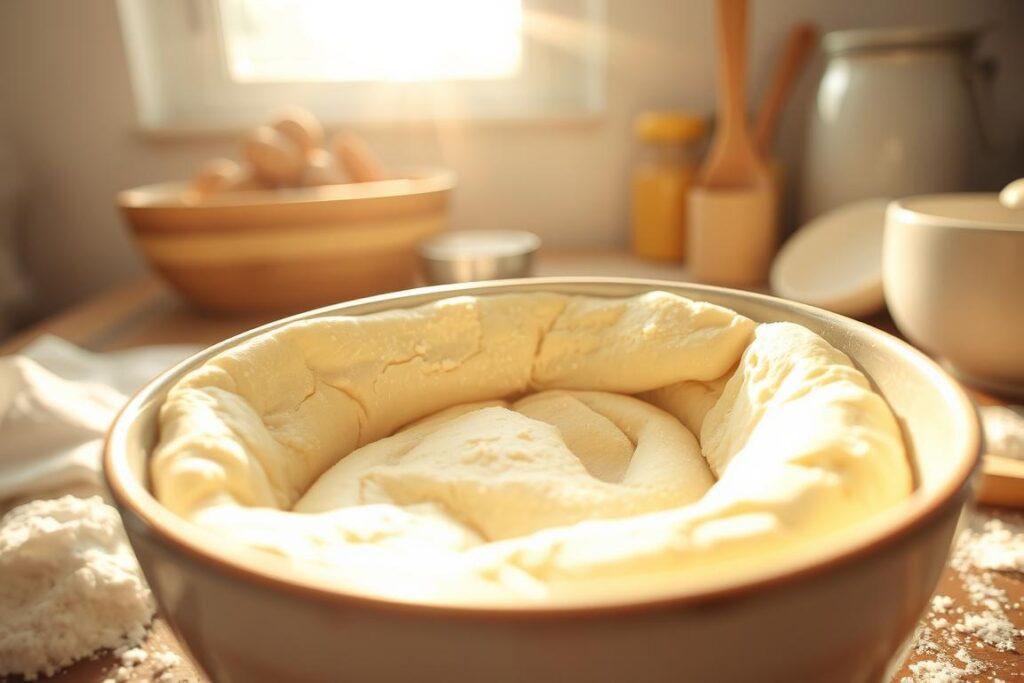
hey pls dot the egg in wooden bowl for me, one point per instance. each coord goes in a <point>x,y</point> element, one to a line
<point>300,221</point>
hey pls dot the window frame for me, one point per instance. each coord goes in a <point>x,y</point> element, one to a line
<point>180,78</point>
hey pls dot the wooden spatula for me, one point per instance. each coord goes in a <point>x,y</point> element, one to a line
<point>799,44</point>
<point>732,208</point>
<point>733,161</point>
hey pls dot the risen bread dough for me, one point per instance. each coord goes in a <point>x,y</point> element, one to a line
<point>555,459</point>
<point>488,449</point>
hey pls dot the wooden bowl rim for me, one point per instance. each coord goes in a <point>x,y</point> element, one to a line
<point>411,181</point>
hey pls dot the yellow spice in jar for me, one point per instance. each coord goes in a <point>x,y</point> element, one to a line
<point>662,179</point>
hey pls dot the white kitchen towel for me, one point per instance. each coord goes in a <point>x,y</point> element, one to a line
<point>56,403</point>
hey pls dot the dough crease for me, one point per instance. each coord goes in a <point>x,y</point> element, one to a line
<point>529,447</point>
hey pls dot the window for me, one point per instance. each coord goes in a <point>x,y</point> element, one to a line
<point>355,40</point>
<point>225,63</point>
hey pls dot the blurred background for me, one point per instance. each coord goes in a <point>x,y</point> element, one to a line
<point>531,104</point>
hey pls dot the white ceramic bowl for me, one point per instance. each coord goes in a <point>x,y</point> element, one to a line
<point>835,261</point>
<point>837,613</point>
<point>953,271</point>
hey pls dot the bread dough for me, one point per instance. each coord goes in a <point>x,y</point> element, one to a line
<point>528,447</point>
<point>538,464</point>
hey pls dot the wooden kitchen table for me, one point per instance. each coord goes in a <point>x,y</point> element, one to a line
<point>144,312</point>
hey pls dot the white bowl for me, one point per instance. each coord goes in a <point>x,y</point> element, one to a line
<point>839,613</point>
<point>835,261</point>
<point>954,281</point>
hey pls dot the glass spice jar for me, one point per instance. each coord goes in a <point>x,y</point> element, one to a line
<point>664,172</point>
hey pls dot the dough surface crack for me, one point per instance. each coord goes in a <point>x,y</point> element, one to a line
<point>530,447</point>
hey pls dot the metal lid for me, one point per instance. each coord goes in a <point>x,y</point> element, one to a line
<point>470,255</point>
<point>863,39</point>
<point>459,244</point>
<point>670,126</point>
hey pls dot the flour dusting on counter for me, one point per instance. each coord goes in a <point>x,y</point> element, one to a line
<point>984,620</point>
<point>69,585</point>
<point>999,546</point>
<point>161,665</point>
<point>1004,431</point>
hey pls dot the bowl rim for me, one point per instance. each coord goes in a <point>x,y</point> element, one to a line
<point>902,211</point>
<point>423,180</point>
<point>843,41</point>
<point>133,497</point>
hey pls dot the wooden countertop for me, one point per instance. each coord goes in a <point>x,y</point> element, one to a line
<point>144,312</point>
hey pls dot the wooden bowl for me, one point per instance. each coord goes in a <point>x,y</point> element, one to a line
<point>288,250</point>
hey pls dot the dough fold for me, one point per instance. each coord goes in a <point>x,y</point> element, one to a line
<point>504,474</point>
<point>260,422</point>
<point>535,447</point>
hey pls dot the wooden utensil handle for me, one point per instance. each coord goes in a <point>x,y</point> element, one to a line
<point>732,162</point>
<point>799,44</point>
<point>732,57</point>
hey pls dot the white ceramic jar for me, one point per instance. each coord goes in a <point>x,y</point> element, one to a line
<point>895,115</point>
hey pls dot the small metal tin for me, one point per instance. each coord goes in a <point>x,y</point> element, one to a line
<point>472,255</point>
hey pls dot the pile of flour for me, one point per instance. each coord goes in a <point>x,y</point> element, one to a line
<point>69,585</point>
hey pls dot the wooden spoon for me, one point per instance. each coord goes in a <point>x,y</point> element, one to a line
<point>801,41</point>
<point>733,162</point>
<point>731,212</point>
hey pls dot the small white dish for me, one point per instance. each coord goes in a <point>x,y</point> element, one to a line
<point>835,261</point>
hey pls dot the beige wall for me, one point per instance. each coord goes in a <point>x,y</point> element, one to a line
<point>67,107</point>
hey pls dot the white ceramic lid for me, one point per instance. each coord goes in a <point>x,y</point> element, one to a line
<point>835,261</point>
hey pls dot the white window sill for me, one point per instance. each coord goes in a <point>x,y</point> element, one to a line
<point>171,134</point>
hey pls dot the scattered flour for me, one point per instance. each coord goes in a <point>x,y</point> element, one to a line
<point>985,623</point>
<point>1004,431</point>
<point>129,658</point>
<point>941,604</point>
<point>164,663</point>
<point>69,586</point>
<point>133,656</point>
<point>998,547</point>
<point>990,626</point>
<point>934,672</point>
